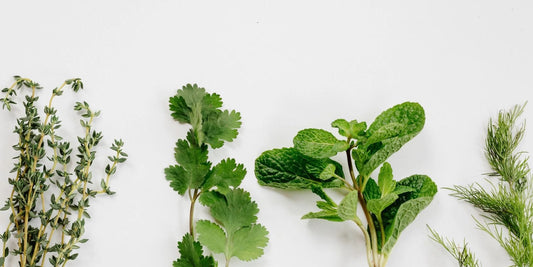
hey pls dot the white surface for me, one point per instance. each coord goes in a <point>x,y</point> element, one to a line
<point>285,65</point>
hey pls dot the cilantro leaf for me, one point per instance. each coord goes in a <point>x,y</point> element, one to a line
<point>211,236</point>
<point>221,127</point>
<point>191,254</point>
<point>225,174</point>
<point>249,242</point>
<point>210,125</point>
<point>239,235</point>
<point>232,210</point>
<point>318,143</point>
<point>193,167</point>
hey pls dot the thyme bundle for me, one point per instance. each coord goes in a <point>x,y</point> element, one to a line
<point>50,194</point>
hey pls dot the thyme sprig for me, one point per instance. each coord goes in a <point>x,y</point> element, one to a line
<point>50,195</point>
<point>507,203</point>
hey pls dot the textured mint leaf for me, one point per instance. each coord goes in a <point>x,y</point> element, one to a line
<point>329,215</point>
<point>211,236</point>
<point>400,189</point>
<point>328,172</point>
<point>221,126</point>
<point>248,242</point>
<point>352,129</point>
<point>348,206</point>
<point>371,190</point>
<point>392,129</point>
<point>288,168</point>
<point>232,210</point>
<point>404,210</point>
<point>376,206</point>
<point>320,192</point>
<point>385,182</point>
<point>225,174</point>
<point>191,254</point>
<point>318,143</point>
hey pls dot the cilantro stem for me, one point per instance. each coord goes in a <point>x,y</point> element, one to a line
<point>194,197</point>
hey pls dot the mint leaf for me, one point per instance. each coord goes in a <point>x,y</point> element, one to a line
<point>317,143</point>
<point>371,190</point>
<point>392,129</point>
<point>221,127</point>
<point>385,182</point>
<point>191,254</point>
<point>328,172</point>
<point>329,215</point>
<point>288,168</point>
<point>348,206</point>
<point>404,210</point>
<point>376,206</point>
<point>248,242</point>
<point>211,236</point>
<point>225,174</point>
<point>352,129</point>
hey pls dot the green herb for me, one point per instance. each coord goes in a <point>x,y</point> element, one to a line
<point>235,232</point>
<point>388,205</point>
<point>507,204</point>
<point>49,201</point>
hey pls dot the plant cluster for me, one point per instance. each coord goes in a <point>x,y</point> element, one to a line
<point>234,231</point>
<point>50,197</point>
<point>388,206</point>
<point>507,203</point>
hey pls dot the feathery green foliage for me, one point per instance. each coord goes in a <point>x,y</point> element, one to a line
<point>388,205</point>
<point>49,201</point>
<point>507,203</point>
<point>235,232</point>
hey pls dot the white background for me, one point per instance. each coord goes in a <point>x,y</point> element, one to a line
<point>285,65</point>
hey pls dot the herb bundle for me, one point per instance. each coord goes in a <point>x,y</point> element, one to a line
<point>50,197</point>
<point>235,231</point>
<point>388,206</point>
<point>507,204</point>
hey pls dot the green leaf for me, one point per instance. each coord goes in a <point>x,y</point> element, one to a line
<point>328,172</point>
<point>329,215</point>
<point>376,206</point>
<point>352,129</point>
<point>191,103</point>
<point>387,134</point>
<point>248,242</point>
<point>320,192</point>
<point>193,169</point>
<point>221,127</point>
<point>211,236</point>
<point>225,174</point>
<point>348,206</point>
<point>232,210</point>
<point>287,168</point>
<point>317,143</point>
<point>191,254</point>
<point>202,110</point>
<point>371,190</point>
<point>385,182</point>
<point>404,210</point>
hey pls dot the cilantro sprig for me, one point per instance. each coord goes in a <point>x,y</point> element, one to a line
<point>234,231</point>
<point>388,205</point>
